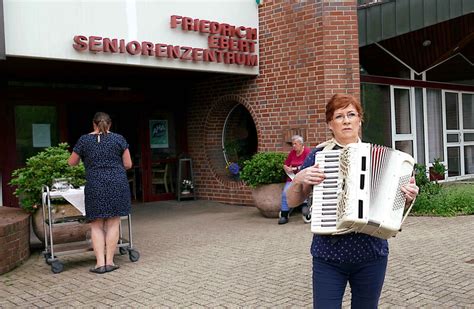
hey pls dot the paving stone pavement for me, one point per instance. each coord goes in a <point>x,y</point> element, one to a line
<point>205,254</point>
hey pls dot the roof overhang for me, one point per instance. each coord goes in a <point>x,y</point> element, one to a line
<point>419,34</point>
<point>381,20</point>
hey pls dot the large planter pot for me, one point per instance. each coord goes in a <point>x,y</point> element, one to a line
<point>62,232</point>
<point>14,238</point>
<point>267,199</point>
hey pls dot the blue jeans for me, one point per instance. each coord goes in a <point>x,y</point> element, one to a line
<point>284,203</point>
<point>330,280</point>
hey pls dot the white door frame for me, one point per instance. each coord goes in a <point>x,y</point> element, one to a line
<point>412,135</point>
<point>460,132</point>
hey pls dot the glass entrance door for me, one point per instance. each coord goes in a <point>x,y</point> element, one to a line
<point>36,127</point>
<point>160,156</point>
<point>458,111</point>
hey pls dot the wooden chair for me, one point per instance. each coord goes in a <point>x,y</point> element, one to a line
<point>162,176</point>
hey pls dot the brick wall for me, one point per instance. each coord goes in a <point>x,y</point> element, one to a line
<point>14,238</point>
<point>308,52</point>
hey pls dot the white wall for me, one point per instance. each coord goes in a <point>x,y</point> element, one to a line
<point>45,29</point>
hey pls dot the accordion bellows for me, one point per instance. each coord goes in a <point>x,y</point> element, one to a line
<point>362,190</point>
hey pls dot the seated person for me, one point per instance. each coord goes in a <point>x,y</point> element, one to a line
<point>291,166</point>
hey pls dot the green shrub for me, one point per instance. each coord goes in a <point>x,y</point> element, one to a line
<point>40,170</point>
<point>445,200</point>
<point>423,181</point>
<point>420,175</point>
<point>264,168</point>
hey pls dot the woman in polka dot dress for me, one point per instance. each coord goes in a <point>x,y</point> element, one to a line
<point>356,258</point>
<point>107,194</point>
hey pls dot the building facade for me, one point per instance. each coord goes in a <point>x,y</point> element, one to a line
<point>417,79</point>
<point>217,84</point>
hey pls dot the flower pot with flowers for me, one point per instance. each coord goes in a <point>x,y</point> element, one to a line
<point>186,186</point>
<point>264,174</point>
<point>42,169</point>
<point>437,170</point>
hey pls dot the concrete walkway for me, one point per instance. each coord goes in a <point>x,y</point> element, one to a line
<point>205,254</point>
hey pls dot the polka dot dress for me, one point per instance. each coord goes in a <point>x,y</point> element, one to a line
<point>352,248</point>
<point>107,193</point>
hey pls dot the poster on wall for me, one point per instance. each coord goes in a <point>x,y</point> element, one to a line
<point>41,135</point>
<point>158,133</point>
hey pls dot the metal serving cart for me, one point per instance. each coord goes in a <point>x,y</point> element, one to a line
<point>50,219</point>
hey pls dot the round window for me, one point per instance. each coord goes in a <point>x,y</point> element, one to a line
<point>239,138</point>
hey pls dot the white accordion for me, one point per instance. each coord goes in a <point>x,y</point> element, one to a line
<point>362,191</point>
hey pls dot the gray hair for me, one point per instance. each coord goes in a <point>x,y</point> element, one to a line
<point>297,138</point>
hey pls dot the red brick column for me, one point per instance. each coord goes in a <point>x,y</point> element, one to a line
<point>308,52</point>
<point>14,238</point>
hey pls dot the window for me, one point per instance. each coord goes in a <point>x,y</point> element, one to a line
<point>452,111</point>
<point>435,123</point>
<point>468,111</point>
<point>402,111</point>
<point>239,136</point>
<point>420,132</point>
<point>402,120</point>
<point>35,129</point>
<point>376,127</point>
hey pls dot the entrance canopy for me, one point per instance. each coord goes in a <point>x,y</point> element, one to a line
<point>420,34</point>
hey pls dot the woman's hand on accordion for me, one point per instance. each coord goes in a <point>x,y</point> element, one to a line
<point>311,175</point>
<point>302,184</point>
<point>410,190</point>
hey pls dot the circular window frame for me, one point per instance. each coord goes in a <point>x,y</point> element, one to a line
<point>214,135</point>
<point>224,131</point>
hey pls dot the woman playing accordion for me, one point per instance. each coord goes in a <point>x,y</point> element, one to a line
<point>357,258</point>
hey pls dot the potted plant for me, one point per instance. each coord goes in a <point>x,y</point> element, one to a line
<point>42,169</point>
<point>264,174</point>
<point>186,186</point>
<point>437,170</point>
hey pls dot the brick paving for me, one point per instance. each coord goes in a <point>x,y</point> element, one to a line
<point>205,254</point>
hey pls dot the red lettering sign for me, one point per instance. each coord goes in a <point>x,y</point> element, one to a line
<point>226,43</point>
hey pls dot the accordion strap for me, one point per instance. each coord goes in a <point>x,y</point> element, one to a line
<point>331,144</point>
<point>344,231</point>
<point>408,211</point>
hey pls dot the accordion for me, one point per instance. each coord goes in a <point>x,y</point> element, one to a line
<point>362,191</point>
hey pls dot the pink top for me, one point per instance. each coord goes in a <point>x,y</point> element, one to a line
<point>296,161</point>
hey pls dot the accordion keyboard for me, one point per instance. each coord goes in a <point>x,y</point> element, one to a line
<point>324,203</point>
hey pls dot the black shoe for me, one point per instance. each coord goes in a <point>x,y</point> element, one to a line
<point>98,270</point>
<point>110,268</point>
<point>283,220</point>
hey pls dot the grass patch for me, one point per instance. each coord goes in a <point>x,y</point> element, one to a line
<point>445,200</point>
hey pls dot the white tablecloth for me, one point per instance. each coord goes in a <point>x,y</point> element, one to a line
<point>73,196</point>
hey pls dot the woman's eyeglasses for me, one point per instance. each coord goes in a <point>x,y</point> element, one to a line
<point>350,116</point>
